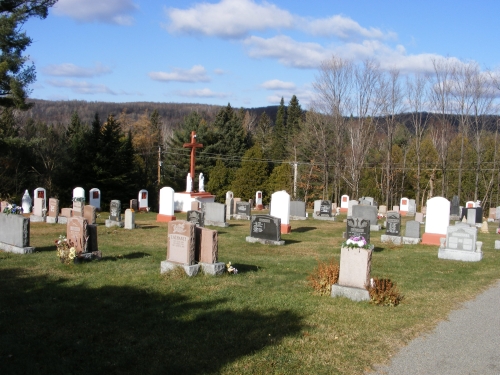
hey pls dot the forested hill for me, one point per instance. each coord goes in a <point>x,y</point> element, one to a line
<point>59,112</point>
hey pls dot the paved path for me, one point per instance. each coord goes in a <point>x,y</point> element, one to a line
<point>467,343</point>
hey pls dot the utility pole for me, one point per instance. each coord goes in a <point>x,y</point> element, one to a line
<point>295,180</point>
<point>159,165</point>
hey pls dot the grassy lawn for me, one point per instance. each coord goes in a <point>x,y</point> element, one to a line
<point>120,316</point>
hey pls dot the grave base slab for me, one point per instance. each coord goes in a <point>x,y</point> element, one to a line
<point>396,240</point>
<point>411,241</point>
<point>112,223</point>
<point>51,220</point>
<point>354,294</point>
<point>327,218</point>
<point>62,220</point>
<point>375,228</point>
<point>167,266</point>
<point>432,238</point>
<point>286,228</point>
<point>213,268</point>
<point>241,217</point>
<point>465,256</point>
<point>16,249</point>
<point>221,224</point>
<point>160,218</point>
<point>37,219</point>
<point>298,218</point>
<point>265,242</point>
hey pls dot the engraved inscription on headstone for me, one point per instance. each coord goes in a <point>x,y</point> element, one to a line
<point>325,209</point>
<point>358,227</point>
<point>196,217</point>
<point>393,227</point>
<point>265,227</point>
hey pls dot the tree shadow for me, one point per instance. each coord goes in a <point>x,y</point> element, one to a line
<point>134,255</point>
<point>302,229</point>
<point>125,330</point>
<point>147,226</point>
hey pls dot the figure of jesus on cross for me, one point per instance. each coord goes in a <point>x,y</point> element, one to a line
<point>193,146</point>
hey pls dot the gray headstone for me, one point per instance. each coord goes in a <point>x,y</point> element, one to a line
<point>351,204</point>
<point>129,219</point>
<point>243,209</point>
<point>15,230</point>
<point>419,216</point>
<point>461,237</point>
<point>393,227</point>
<point>366,212</point>
<point>471,216</point>
<point>196,217</point>
<point>498,213</point>
<point>265,227</point>
<point>215,213</point>
<point>412,229</point>
<point>298,208</point>
<point>455,206</point>
<point>115,210</point>
<point>412,207</point>
<point>357,226</point>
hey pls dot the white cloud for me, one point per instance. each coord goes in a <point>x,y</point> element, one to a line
<point>228,18</point>
<point>202,93</point>
<point>343,28</point>
<point>287,51</point>
<point>107,11</point>
<point>276,84</point>
<point>82,87</point>
<point>196,74</point>
<point>71,70</point>
<point>219,72</point>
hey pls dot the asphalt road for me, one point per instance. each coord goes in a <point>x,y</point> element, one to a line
<point>467,343</point>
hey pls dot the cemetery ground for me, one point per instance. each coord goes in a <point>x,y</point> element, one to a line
<point>120,316</point>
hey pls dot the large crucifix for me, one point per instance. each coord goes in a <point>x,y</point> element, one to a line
<point>193,146</point>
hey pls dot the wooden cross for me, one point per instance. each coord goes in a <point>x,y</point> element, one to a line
<point>193,145</point>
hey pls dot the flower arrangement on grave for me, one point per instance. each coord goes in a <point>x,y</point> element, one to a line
<point>356,242</point>
<point>13,209</point>
<point>66,251</point>
<point>231,269</point>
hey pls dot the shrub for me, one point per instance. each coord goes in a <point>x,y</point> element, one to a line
<point>384,292</point>
<point>324,276</point>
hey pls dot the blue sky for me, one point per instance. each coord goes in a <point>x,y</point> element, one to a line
<point>244,52</point>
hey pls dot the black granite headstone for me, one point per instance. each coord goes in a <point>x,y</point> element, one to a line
<point>357,226</point>
<point>455,206</point>
<point>325,209</point>
<point>196,217</point>
<point>243,208</point>
<point>266,227</point>
<point>393,227</point>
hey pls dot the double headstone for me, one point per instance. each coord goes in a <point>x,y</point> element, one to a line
<point>461,244</point>
<point>265,229</point>
<point>181,248</point>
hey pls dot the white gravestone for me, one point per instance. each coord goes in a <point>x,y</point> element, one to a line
<point>166,205</point>
<point>79,192</point>
<point>95,198</point>
<point>41,193</point>
<point>344,203</point>
<point>143,200</point>
<point>280,208</point>
<point>437,220</point>
<point>258,201</point>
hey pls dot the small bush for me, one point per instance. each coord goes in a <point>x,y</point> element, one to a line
<point>324,276</point>
<point>384,292</point>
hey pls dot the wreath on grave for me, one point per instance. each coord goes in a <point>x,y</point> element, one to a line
<point>66,251</point>
<point>356,242</point>
<point>13,209</point>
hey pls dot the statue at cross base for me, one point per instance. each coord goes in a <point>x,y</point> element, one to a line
<point>193,146</point>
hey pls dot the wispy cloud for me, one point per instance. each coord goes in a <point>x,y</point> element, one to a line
<point>276,84</point>
<point>201,93</point>
<point>106,11</point>
<point>196,74</point>
<point>82,87</point>
<point>72,70</point>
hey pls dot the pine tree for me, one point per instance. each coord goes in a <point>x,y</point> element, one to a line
<point>281,179</point>
<point>280,134</point>
<point>294,118</point>
<point>218,184</point>
<point>252,175</point>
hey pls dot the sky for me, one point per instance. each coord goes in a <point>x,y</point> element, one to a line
<point>248,53</point>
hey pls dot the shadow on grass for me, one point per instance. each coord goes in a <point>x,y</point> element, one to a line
<point>289,242</point>
<point>147,226</point>
<point>377,249</point>
<point>303,229</point>
<point>125,330</point>
<point>45,248</point>
<point>135,255</point>
<point>244,268</point>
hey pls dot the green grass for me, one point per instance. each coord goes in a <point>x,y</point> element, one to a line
<point>120,316</point>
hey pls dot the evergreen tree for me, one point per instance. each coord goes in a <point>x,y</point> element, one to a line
<point>218,184</point>
<point>263,134</point>
<point>281,179</point>
<point>15,77</point>
<point>294,116</point>
<point>280,134</point>
<point>252,175</point>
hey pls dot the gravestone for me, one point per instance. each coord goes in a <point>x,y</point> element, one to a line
<point>368,201</point>
<point>207,249</point>
<point>492,214</point>
<point>382,210</point>
<point>352,203</point>
<point>167,203</point>
<point>235,201</point>
<point>95,198</point>
<point>497,215</point>
<point>471,216</point>
<point>215,214</point>
<point>38,211</point>
<point>403,206</point>
<point>79,194</point>
<point>369,213</point>
<point>196,218</point>
<point>143,198</point>
<point>77,231</point>
<point>455,208</point>
<point>280,207</point>
<point>243,211</point>
<point>129,219</point>
<point>298,210</point>
<point>229,205</point>
<point>395,208</point>
<point>357,227</point>
<point>470,204</point>
<point>258,201</point>
<point>437,220</point>
<point>181,248</point>
<point>344,203</point>
<point>393,228</point>
<point>484,227</point>
<point>412,207</point>
<point>92,246</point>
<point>115,217</point>
<point>461,244</point>
<point>265,229</point>
<point>419,216</point>
<point>195,205</point>
<point>412,233</point>
<point>15,234</point>
<point>41,193</point>
<point>90,213</point>
<point>52,211</point>
<point>26,202</point>
<point>323,210</point>
<point>354,274</point>
<point>134,204</point>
